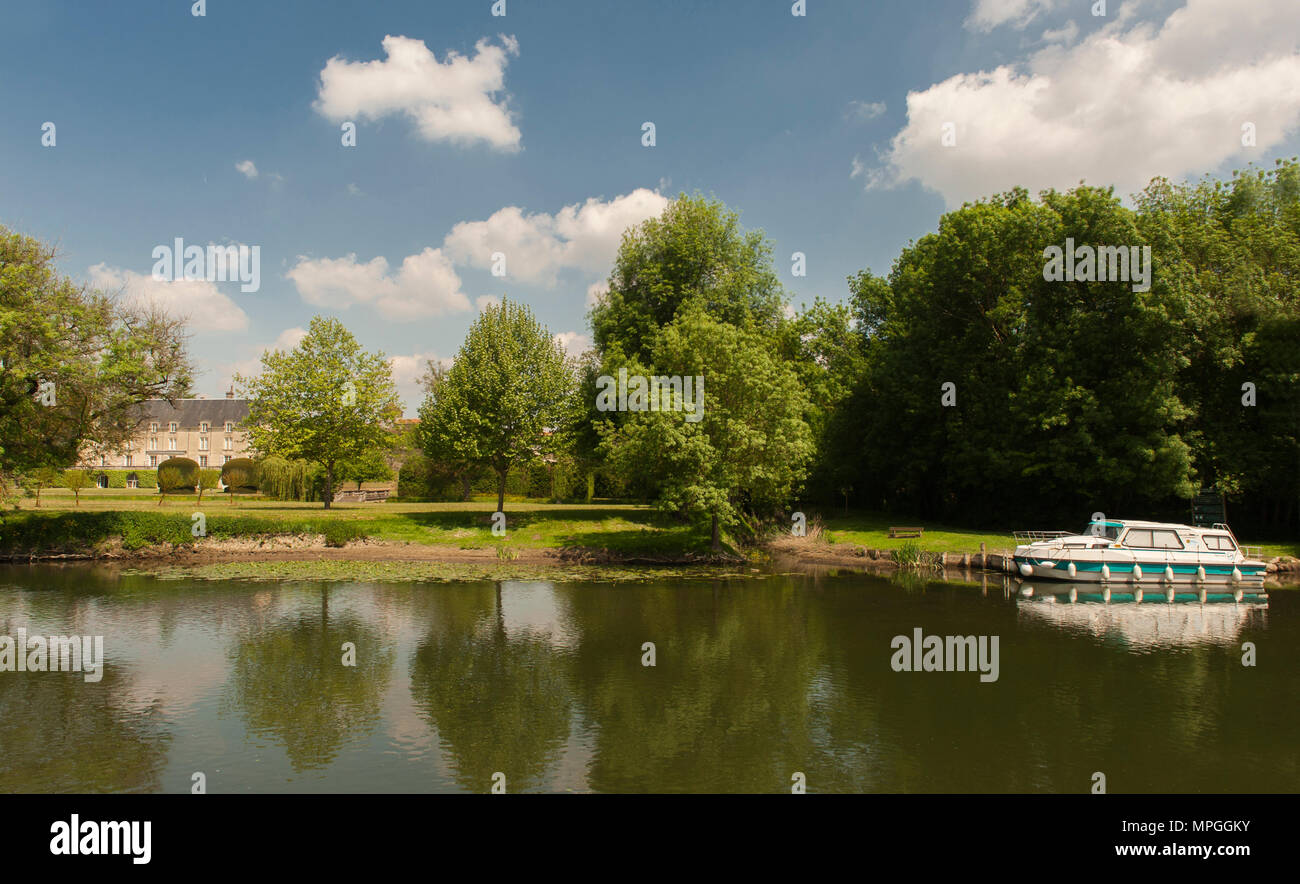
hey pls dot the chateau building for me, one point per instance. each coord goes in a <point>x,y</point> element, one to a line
<point>204,430</point>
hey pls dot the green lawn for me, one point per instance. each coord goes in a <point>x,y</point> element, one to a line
<point>872,531</point>
<point>621,528</point>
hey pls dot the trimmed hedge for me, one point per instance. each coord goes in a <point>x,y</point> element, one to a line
<point>240,476</point>
<point>177,474</point>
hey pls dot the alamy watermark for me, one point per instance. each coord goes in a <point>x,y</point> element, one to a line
<point>236,263</point>
<point>653,393</point>
<point>1098,264</point>
<point>946,653</point>
<point>56,653</point>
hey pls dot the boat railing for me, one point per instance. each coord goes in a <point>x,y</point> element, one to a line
<point>1031,536</point>
<point>1252,552</point>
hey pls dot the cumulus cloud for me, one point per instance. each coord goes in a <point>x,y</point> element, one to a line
<point>407,371</point>
<point>251,367</point>
<point>459,100</point>
<point>596,291</point>
<point>198,301</point>
<point>583,236</point>
<point>482,302</point>
<point>574,343</point>
<point>247,168</point>
<point>426,284</point>
<point>1129,102</point>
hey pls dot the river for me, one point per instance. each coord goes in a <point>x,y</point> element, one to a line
<point>757,685</point>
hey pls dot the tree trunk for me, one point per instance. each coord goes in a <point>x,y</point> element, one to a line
<point>329,484</point>
<point>501,489</point>
<point>717,540</point>
<point>464,487</point>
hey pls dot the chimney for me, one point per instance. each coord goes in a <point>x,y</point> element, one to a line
<point>230,394</point>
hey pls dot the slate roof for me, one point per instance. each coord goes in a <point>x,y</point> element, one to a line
<point>188,412</point>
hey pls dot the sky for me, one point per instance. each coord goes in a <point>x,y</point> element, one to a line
<point>843,133</point>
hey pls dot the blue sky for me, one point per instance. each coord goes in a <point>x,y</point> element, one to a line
<point>823,130</point>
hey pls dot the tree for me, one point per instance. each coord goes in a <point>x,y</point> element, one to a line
<point>750,450</point>
<point>177,474</point>
<point>694,254</point>
<point>75,481</point>
<point>208,479</point>
<point>327,401</point>
<point>74,363</point>
<point>45,477</point>
<point>507,398</point>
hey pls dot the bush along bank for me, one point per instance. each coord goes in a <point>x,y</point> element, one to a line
<point>30,535</point>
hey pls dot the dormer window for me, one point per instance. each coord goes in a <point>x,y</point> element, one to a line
<point>153,427</point>
<point>172,427</point>
<point>230,426</point>
<point>203,426</point>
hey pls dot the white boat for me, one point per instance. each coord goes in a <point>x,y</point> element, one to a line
<point>1125,551</point>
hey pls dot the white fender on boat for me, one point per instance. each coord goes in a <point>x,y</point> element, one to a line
<point>1137,572</point>
<point>1169,572</point>
<point>1105,572</point>
<point>1026,570</point>
<point>1200,572</point>
<point>1071,570</point>
<point>1236,574</point>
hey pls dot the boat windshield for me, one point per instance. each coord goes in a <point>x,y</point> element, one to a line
<point>1108,530</point>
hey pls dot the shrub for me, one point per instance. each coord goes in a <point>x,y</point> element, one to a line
<point>177,474</point>
<point>338,532</point>
<point>240,476</point>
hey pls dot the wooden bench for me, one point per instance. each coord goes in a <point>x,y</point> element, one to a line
<point>906,532</point>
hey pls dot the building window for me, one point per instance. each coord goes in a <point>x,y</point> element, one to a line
<point>132,480</point>
<point>129,444</point>
<point>203,426</point>
<point>225,459</point>
<point>153,442</point>
<point>153,427</point>
<point>203,443</point>
<point>126,461</point>
<point>225,443</point>
<point>230,426</point>
<point>153,460</point>
<point>172,427</point>
<point>103,460</point>
<point>171,443</point>
<point>203,460</point>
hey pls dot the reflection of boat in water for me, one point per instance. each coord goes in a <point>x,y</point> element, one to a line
<point>1151,618</point>
<point>1109,551</point>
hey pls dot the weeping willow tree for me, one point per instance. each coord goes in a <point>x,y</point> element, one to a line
<point>284,479</point>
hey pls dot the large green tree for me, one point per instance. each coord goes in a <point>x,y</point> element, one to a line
<point>750,449</point>
<point>75,363</point>
<point>327,401</point>
<point>506,399</point>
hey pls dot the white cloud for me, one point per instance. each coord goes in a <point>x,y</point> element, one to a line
<point>251,367</point>
<point>574,343</point>
<point>407,371</point>
<point>596,291</point>
<point>989,14</point>
<point>247,168</point>
<point>482,302</point>
<point>864,110</point>
<point>454,100</point>
<point>583,236</point>
<point>200,302</point>
<point>1066,34</point>
<point>426,284</point>
<point>1130,102</point>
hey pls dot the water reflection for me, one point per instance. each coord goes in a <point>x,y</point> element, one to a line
<point>545,683</point>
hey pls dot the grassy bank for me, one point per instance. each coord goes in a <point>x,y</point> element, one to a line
<point>137,522</point>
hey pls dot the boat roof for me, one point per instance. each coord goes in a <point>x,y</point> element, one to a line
<point>1137,523</point>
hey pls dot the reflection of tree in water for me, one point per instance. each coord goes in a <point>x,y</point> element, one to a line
<point>59,733</point>
<point>731,704</point>
<point>499,702</point>
<point>290,683</point>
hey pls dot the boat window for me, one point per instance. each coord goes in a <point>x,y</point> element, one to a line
<point>1219,541</point>
<point>1101,529</point>
<point>1165,540</point>
<point>1138,537</point>
<point>1076,546</point>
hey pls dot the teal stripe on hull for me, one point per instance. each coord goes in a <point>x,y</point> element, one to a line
<point>1152,568</point>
